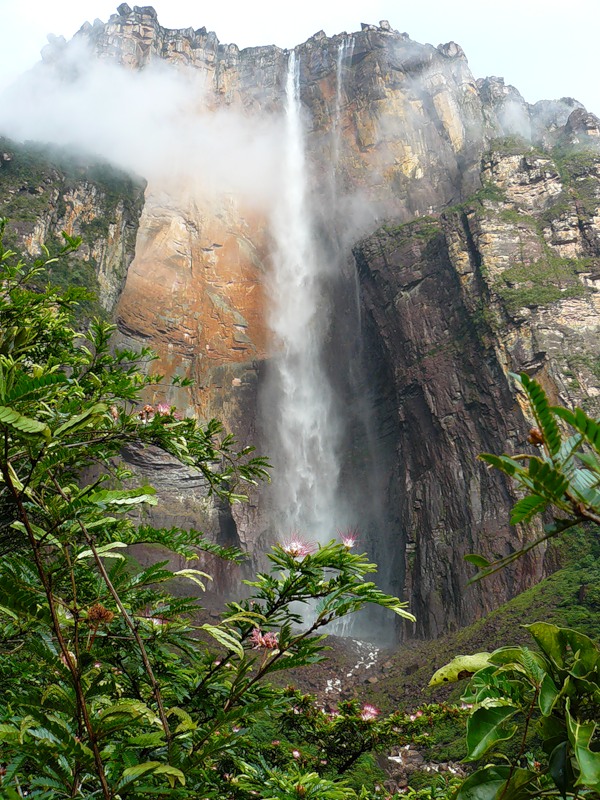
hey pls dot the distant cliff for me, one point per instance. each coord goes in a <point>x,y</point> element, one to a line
<point>45,192</point>
<point>465,221</point>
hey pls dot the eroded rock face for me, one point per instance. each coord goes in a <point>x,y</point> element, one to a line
<point>46,191</point>
<point>505,283</point>
<point>446,400</point>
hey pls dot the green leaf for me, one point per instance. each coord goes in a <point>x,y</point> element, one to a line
<point>478,561</point>
<point>104,551</point>
<point>579,420</point>
<point>129,708</point>
<point>123,497</point>
<point>27,385</point>
<point>459,668</point>
<point>155,739</point>
<point>507,465</point>
<point>193,575</point>
<point>560,769</point>
<point>533,664</point>
<point>588,761</point>
<point>561,644</point>
<point>590,461</point>
<point>172,774</point>
<point>490,783</point>
<point>549,694</point>
<point>186,724</point>
<point>584,484</point>
<point>228,639</point>
<point>8,416</point>
<point>80,420</point>
<point>546,480</point>
<point>543,413</point>
<point>527,508</point>
<point>486,727</point>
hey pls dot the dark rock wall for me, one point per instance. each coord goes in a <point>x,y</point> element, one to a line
<point>447,401</point>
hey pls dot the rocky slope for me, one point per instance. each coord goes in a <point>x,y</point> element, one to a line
<point>43,193</point>
<point>487,263</point>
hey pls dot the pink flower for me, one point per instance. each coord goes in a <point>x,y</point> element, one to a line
<point>369,712</point>
<point>296,548</point>
<point>349,538</point>
<point>163,409</point>
<point>263,641</point>
<point>296,753</point>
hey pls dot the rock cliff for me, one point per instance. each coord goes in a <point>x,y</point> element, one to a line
<point>487,262</point>
<point>45,192</point>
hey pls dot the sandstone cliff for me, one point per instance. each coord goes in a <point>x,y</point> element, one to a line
<point>487,263</point>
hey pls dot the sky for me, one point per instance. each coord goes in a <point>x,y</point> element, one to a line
<point>546,48</point>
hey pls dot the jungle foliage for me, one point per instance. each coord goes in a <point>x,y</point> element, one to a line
<point>109,686</point>
<point>549,694</point>
<point>112,688</point>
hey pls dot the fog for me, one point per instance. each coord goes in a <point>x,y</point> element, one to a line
<point>153,122</point>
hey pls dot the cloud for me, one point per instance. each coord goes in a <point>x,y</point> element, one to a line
<point>153,122</point>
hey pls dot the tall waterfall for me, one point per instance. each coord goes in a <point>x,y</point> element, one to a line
<point>317,406</point>
<point>300,417</point>
<point>344,55</point>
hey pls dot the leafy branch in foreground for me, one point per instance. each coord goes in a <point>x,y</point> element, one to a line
<point>552,693</point>
<point>562,476</point>
<point>110,687</point>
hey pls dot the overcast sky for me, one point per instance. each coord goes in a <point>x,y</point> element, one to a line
<point>546,48</point>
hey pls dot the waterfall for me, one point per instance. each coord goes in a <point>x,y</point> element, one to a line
<point>344,55</point>
<point>299,418</point>
<point>315,400</point>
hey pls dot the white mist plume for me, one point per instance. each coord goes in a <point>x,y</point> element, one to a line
<point>514,119</point>
<point>152,122</point>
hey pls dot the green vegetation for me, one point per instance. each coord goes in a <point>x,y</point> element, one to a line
<point>514,145</point>
<point>543,282</point>
<point>579,171</point>
<point>548,698</point>
<point>489,191</point>
<point>424,228</point>
<point>41,188</point>
<point>110,687</point>
<point>563,476</point>
<point>587,361</point>
<point>515,217</point>
<point>554,690</point>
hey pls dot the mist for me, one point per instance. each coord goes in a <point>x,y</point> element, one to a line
<point>154,123</point>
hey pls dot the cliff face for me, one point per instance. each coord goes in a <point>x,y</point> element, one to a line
<point>44,193</point>
<point>487,263</point>
<point>506,282</point>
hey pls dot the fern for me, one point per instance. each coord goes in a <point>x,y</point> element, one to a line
<point>579,420</point>
<point>524,511</point>
<point>542,413</point>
